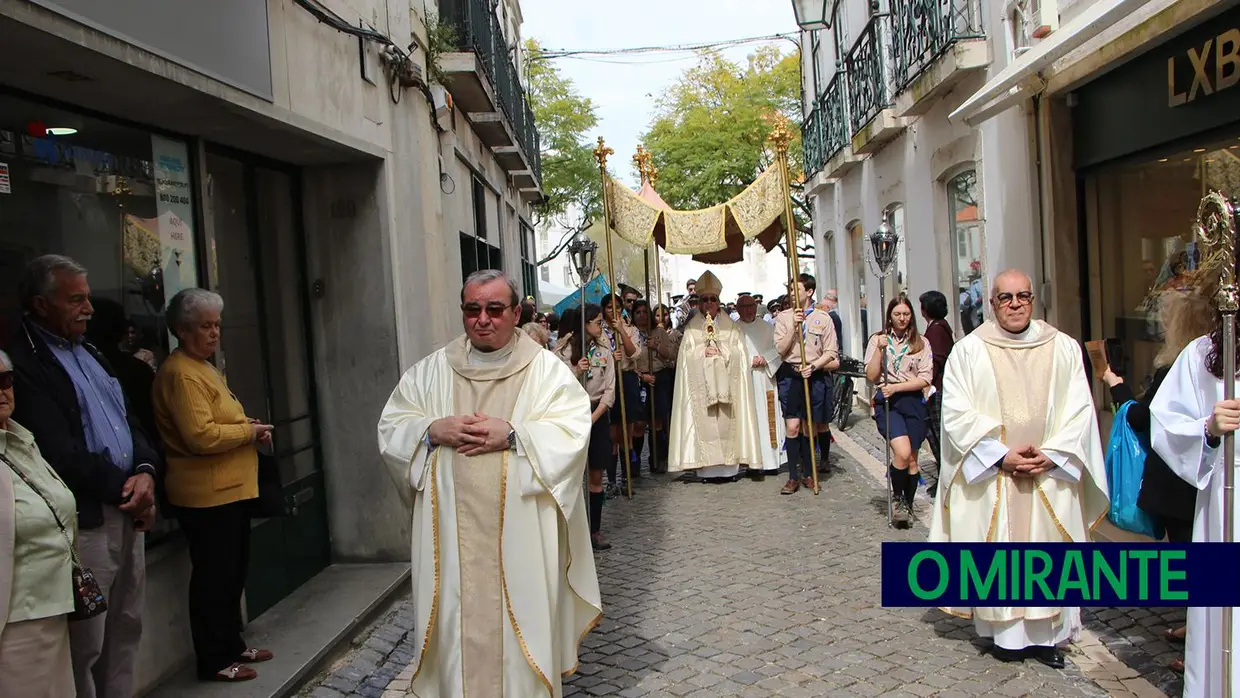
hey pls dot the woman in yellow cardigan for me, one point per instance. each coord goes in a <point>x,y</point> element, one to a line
<point>212,471</point>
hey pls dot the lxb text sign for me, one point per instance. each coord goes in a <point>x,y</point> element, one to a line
<point>1060,574</point>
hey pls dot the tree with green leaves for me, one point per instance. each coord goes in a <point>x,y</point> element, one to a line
<point>709,134</point>
<point>565,120</point>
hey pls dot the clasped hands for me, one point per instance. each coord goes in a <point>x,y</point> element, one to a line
<point>1026,462</point>
<point>471,435</point>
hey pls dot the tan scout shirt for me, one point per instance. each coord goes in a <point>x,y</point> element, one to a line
<point>627,363</point>
<point>664,341</point>
<point>600,380</point>
<point>902,365</point>
<point>819,333</point>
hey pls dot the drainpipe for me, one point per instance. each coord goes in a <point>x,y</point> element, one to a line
<point>1044,280</point>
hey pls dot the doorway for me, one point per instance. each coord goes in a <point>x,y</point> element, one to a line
<point>257,263</point>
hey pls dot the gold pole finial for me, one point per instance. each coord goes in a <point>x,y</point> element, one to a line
<point>601,153</point>
<point>781,131</point>
<point>642,161</point>
<point>654,175</point>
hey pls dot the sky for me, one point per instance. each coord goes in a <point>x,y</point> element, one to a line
<point>624,94</point>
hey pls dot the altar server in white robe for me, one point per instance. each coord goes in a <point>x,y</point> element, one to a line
<point>765,361</point>
<point>1188,418</point>
<point>1022,458</point>
<point>486,439</point>
<point>714,425</point>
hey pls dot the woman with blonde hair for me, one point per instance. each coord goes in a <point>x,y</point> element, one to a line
<point>1186,314</point>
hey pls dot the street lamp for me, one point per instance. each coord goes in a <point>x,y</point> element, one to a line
<point>811,14</point>
<point>883,245</point>
<point>583,252</point>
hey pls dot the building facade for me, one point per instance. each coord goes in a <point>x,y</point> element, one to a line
<point>1070,139</point>
<point>331,185</point>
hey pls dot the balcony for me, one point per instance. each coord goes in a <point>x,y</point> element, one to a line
<point>935,43</point>
<point>484,83</point>
<point>837,150</point>
<point>811,141</point>
<point>869,91</point>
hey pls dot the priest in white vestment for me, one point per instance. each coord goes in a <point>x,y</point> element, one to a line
<point>486,439</point>
<point>714,424</point>
<point>1188,418</point>
<point>1022,458</point>
<point>760,346</point>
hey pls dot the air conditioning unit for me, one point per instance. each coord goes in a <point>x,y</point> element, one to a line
<point>1041,17</point>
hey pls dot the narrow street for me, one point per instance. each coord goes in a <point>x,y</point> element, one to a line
<point>733,590</point>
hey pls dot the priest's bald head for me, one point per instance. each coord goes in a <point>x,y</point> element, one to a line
<point>1011,300</point>
<point>491,309</point>
<point>747,306</point>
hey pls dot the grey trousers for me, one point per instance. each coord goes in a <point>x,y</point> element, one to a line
<point>105,647</point>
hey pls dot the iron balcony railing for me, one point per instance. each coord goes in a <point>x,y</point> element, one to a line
<point>811,141</point>
<point>477,29</point>
<point>834,107</point>
<point>922,30</point>
<point>867,76</point>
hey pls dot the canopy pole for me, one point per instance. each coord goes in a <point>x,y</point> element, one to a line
<point>646,172</point>
<point>780,137</point>
<point>601,153</point>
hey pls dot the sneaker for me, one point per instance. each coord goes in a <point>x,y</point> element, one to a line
<point>899,513</point>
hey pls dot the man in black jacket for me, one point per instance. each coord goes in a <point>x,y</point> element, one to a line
<point>82,423</point>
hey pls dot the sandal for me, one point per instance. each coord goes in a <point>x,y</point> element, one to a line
<point>235,673</point>
<point>791,487</point>
<point>1176,665</point>
<point>254,656</point>
<point>1171,635</point>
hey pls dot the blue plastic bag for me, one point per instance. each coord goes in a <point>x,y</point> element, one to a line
<point>1125,467</point>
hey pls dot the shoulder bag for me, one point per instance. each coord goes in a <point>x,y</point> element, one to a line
<point>88,599</point>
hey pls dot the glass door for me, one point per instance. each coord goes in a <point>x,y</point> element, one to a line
<point>265,346</point>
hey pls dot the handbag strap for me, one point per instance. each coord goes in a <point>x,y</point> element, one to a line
<point>60,524</point>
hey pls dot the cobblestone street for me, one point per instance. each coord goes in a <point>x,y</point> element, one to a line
<point>733,590</point>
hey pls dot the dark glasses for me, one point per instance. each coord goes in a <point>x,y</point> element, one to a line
<point>6,380</point>
<point>708,299</point>
<point>495,310</point>
<point>1006,299</point>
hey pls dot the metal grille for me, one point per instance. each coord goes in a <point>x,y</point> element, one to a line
<point>834,108</point>
<point>922,30</point>
<point>867,84</point>
<point>811,142</point>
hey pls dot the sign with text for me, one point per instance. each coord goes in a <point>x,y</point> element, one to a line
<point>970,575</point>
<point>174,201</point>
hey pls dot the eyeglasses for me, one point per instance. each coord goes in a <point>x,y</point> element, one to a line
<point>1006,299</point>
<point>708,299</point>
<point>495,310</point>
<point>6,380</point>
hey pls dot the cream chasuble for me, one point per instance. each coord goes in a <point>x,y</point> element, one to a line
<point>1003,391</point>
<point>504,583</point>
<point>713,440</point>
<point>1178,415</point>
<point>760,341</point>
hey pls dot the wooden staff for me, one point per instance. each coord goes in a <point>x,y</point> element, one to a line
<point>781,136</point>
<point>1216,226</point>
<point>645,170</point>
<point>601,153</point>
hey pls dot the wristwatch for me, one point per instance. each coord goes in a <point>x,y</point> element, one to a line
<point>1211,440</point>
<point>512,439</point>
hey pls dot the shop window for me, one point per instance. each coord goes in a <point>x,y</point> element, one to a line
<point>120,202</point>
<point>860,263</point>
<point>1142,216</point>
<point>476,252</point>
<point>966,239</point>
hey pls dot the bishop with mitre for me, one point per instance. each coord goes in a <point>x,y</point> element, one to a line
<point>714,424</point>
<point>486,439</point>
<point>759,339</point>
<point>1022,459</point>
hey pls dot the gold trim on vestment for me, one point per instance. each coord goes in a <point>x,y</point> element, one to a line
<point>1046,502</point>
<point>503,578</point>
<point>430,626</point>
<point>589,628</point>
<point>994,514</point>
<point>770,417</point>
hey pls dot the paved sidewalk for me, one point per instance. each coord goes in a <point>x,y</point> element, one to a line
<point>733,590</point>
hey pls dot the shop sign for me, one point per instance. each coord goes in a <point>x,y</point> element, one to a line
<point>1214,67</point>
<point>6,186</point>
<point>174,201</point>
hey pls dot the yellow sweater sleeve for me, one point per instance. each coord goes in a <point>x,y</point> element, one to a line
<point>189,405</point>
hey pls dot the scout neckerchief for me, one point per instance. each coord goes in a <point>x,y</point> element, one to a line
<point>897,359</point>
<point>805,323</point>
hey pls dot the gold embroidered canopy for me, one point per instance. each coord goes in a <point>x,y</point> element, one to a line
<point>715,235</point>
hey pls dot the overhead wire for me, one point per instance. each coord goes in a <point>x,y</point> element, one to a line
<point>550,54</point>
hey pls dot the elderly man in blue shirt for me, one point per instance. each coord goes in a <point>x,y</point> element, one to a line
<point>79,415</point>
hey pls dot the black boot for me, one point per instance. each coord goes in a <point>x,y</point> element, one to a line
<point>596,522</point>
